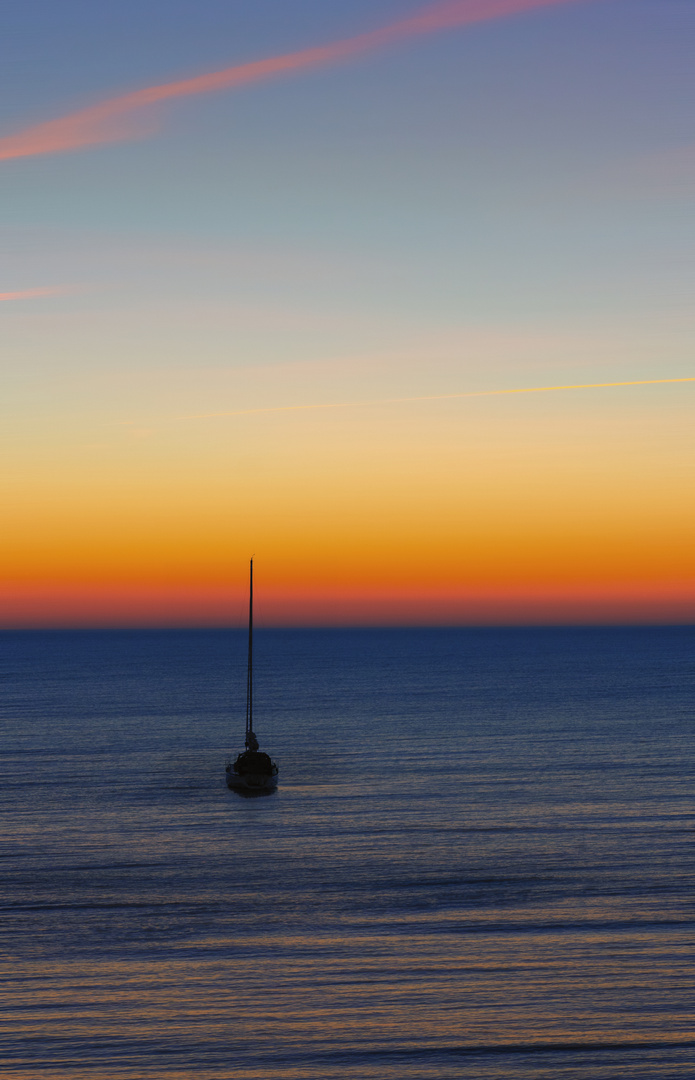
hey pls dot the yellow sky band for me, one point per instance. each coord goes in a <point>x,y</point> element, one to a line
<point>434,397</point>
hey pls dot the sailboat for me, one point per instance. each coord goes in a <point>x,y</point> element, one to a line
<point>253,772</point>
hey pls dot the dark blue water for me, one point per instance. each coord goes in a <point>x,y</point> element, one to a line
<point>479,862</point>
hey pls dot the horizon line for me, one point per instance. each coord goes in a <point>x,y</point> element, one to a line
<point>243,627</point>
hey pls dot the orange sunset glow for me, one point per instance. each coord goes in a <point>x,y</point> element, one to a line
<point>451,512</point>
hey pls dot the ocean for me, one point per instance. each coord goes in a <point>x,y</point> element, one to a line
<point>479,861</point>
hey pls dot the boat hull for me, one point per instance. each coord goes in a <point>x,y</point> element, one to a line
<point>251,783</point>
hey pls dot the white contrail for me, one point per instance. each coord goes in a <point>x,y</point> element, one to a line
<point>432,397</point>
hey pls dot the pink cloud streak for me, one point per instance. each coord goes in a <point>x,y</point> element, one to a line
<point>31,294</point>
<point>116,119</point>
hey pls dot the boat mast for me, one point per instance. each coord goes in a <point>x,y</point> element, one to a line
<point>249,675</point>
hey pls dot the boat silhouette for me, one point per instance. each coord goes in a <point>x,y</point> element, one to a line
<point>252,772</point>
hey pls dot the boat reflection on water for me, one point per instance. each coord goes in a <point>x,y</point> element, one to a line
<point>253,772</point>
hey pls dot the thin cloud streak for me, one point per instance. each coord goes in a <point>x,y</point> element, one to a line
<point>117,118</point>
<point>31,294</point>
<point>432,397</point>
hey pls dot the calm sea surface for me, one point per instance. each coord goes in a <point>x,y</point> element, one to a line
<point>479,862</point>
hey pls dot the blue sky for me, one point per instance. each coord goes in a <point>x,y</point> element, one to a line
<point>501,205</point>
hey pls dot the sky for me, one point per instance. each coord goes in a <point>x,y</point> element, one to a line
<point>270,272</point>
